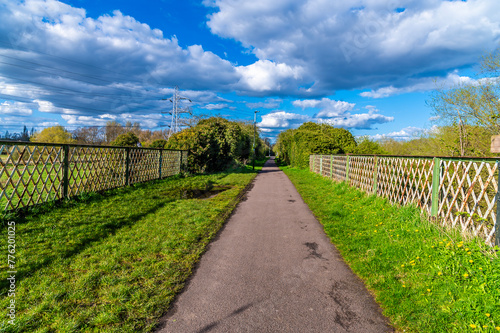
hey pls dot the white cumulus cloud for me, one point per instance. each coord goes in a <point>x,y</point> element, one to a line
<point>358,43</point>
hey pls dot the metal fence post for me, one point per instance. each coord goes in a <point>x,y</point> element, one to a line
<point>160,163</point>
<point>347,169</point>
<point>127,166</point>
<point>65,171</point>
<point>375,175</point>
<point>436,179</point>
<point>497,220</point>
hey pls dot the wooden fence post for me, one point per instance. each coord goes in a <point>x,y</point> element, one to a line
<point>321,165</point>
<point>65,171</point>
<point>436,179</point>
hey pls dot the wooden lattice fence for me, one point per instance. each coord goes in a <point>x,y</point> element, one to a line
<point>461,193</point>
<point>34,173</point>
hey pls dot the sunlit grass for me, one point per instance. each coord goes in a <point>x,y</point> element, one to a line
<point>425,278</point>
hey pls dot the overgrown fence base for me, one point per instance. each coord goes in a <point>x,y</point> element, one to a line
<point>34,173</point>
<point>461,193</point>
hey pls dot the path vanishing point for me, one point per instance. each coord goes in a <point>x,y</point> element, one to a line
<point>273,269</point>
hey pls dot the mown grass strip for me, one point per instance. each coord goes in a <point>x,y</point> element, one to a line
<point>425,278</point>
<point>114,262</point>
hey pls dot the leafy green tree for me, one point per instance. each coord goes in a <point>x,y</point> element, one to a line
<point>213,144</point>
<point>367,146</point>
<point>128,139</point>
<point>160,143</point>
<point>294,146</point>
<point>54,134</point>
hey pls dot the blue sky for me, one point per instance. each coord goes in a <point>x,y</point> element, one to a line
<point>365,65</point>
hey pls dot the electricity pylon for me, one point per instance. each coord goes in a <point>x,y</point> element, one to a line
<point>177,110</point>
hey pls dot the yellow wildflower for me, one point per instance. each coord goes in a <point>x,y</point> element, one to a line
<point>440,273</point>
<point>472,326</point>
<point>487,314</point>
<point>466,275</point>
<point>471,261</point>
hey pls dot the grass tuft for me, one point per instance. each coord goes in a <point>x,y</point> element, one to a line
<point>426,278</point>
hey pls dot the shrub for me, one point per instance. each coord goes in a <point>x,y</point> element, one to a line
<point>213,144</point>
<point>160,143</point>
<point>128,139</point>
<point>294,146</point>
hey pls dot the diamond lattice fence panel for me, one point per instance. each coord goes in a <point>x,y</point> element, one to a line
<point>326,165</point>
<point>361,172</point>
<point>33,173</point>
<point>30,174</point>
<point>406,180</point>
<point>144,165</point>
<point>93,169</point>
<point>170,163</point>
<point>339,170</point>
<point>467,192</point>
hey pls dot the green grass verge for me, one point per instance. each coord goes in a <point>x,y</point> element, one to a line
<point>425,278</point>
<point>114,262</point>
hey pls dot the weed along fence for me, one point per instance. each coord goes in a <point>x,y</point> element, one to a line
<point>461,193</point>
<point>33,173</point>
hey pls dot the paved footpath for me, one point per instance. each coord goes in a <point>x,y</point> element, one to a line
<point>272,269</point>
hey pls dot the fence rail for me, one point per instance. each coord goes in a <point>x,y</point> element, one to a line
<point>461,193</point>
<point>34,173</point>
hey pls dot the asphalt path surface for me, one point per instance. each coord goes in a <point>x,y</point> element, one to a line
<point>272,269</point>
